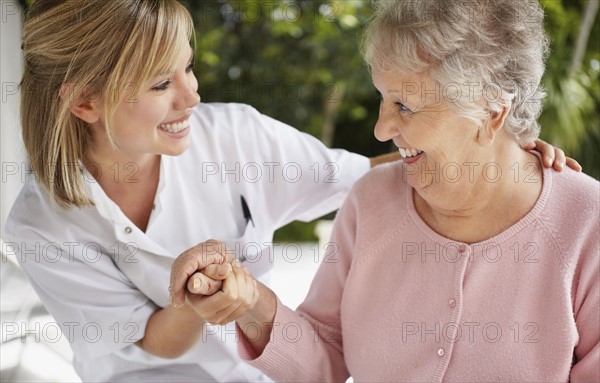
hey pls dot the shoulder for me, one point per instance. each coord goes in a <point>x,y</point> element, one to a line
<point>208,111</point>
<point>574,197</point>
<point>31,206</point>
<point>377,202</point>
<point>224,115</point>
<point>571,214</point>
<point>36,217</point>
<point>382,185</point>
<point>230,123</point>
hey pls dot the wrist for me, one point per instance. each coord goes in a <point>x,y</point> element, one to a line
<point>263,312</point>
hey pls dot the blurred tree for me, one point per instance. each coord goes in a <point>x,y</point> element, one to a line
<point>293,60</point>
<point>571,110</point>
<point>299,62</point>
<point>25,3</point>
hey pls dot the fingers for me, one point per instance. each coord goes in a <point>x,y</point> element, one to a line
<point>217,271</point>
<point>201,284</point>
<point>208,280</point>
<point>248,304</point>
<point>238,295</point>
<point>547,151</point>
<point>206,306</point>
<point>553,157</point>
<point>559,159</point>
<point>234,290</point>
<point>247,300</point>
<point>573,164</point>
<point>192,260</point>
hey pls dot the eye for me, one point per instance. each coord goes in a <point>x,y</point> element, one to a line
<point>162,86</point>
<point>402,107</point>
<point>190,67</point>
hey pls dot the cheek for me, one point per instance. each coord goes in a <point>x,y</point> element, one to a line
<point>150,113</point>
<point>134,118</point>
<point>444,130</point>
<point>195,83</point>
<point>421,130</point>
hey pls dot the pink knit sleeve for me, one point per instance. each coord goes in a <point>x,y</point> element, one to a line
<point>306,345</point>
<point>586,292</point>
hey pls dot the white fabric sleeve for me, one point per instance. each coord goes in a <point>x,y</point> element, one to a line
<point>96,307</point>
<point>302,179</point>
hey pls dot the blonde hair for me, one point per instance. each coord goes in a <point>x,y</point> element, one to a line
<point>468,47</point>
<point>101,50</point>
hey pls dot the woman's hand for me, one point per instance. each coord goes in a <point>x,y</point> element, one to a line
<point>553,156</point>
<point>238,295</point>
<point>173,330</point>
<point>209,281</point>
<point>200,268</point>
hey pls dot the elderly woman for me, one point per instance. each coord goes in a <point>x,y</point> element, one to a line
<point>467,261</point>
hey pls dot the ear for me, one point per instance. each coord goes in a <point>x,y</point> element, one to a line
<point>84,105</point>
<point>490,128</point>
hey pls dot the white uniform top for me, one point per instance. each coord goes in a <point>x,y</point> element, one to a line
<point>101,277</point>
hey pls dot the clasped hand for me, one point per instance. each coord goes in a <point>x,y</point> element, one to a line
<point>208,279</point>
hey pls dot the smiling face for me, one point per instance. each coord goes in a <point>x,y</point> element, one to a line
<point>432,138</point>
<point>151,118</point>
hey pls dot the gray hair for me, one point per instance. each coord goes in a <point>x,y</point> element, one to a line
<point>490,49</point>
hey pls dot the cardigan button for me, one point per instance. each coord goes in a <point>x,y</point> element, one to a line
<point>462,248</point>
<point>452,303</point>
<point>441,352</point>
<point>128,230</point>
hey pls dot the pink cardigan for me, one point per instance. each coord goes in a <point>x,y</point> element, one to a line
<point>399,303</point>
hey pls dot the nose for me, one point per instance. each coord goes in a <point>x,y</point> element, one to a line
<point>187,96</point>
<point>386,127</point>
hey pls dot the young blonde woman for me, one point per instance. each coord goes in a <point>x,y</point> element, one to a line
<point>130,172</point>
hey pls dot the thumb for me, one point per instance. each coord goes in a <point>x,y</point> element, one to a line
<point>201,284</point>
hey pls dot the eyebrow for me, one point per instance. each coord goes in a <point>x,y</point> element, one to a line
<point>192,56</point>
<point>403,100</point>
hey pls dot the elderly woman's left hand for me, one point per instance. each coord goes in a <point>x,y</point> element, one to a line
<point>238,295</point>
<point>553,156</point>
<point>201,268</point>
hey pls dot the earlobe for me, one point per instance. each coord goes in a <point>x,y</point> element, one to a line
<point>485,135</point>
<point>81,105</point>
<point>490,127</point>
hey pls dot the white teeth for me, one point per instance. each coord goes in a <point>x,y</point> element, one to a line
<point>176,127</point>
<point>406,152</point>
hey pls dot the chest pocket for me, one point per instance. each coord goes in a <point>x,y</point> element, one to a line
<point>253,251</point>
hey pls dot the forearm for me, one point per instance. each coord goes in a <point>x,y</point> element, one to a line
<point>314,355</point>
<point>260,317</point>
<point>171,331</point>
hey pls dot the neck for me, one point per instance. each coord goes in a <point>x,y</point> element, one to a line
<point>130,183</point>
<point>112,167</point>
<point>501,191</point>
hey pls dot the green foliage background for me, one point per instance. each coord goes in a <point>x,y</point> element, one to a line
<point>299,61</point>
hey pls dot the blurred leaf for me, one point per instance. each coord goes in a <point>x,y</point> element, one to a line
<point>291,58</point>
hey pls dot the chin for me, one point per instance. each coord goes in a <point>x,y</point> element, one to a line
<point>176,150</point>
<point>417,181</point>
